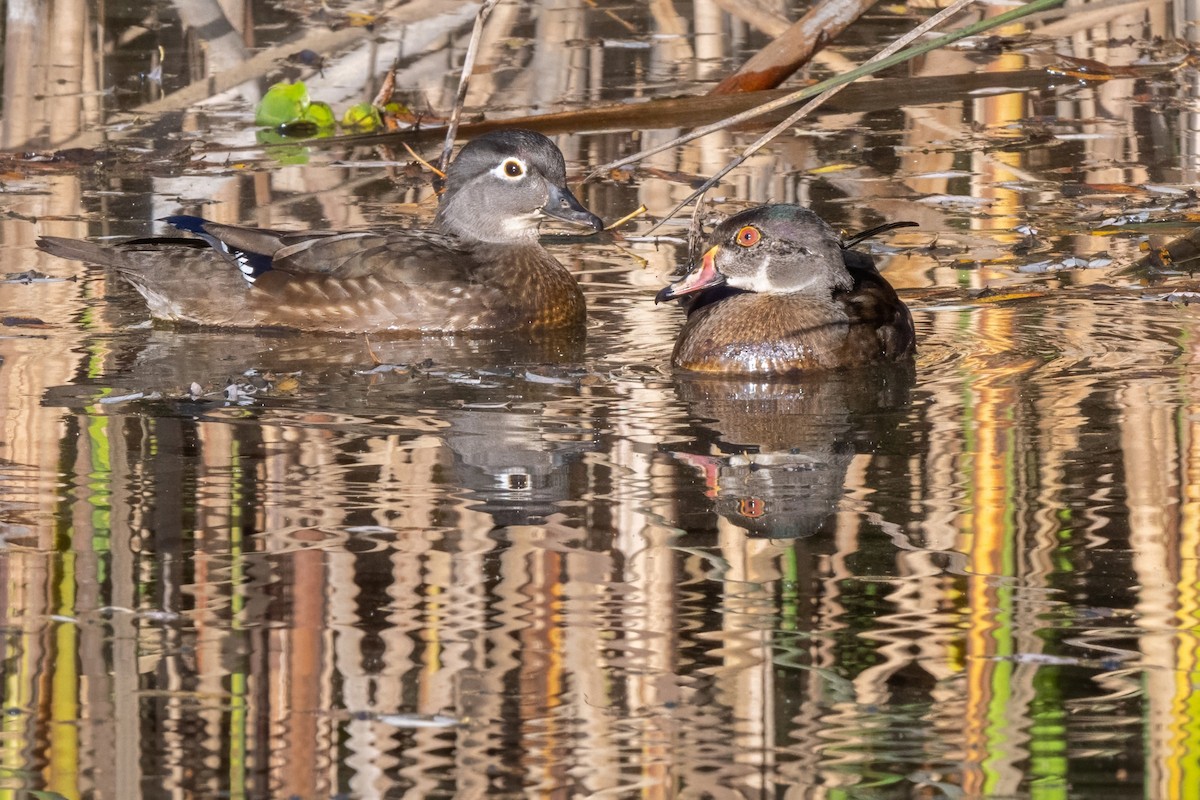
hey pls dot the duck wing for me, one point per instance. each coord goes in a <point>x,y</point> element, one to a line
<point>409,256</point>
<point>874,309</point>
<point>404,256</point>
<point>421,285</point>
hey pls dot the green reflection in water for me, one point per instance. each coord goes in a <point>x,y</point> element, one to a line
<point>64,683</point>
<point>100,491</point>
<point>1048,737</point>
<point>1001,744</point>
<point>790,599</point>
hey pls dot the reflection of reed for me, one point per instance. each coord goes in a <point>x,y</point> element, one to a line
<point>530,559</point>
<point>1161,468</point>
<point>43,101</point>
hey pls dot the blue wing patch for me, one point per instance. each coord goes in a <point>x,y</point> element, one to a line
<point>250,264</point>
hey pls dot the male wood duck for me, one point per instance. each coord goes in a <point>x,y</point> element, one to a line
<point>480,269</point>
<point>779,292</point>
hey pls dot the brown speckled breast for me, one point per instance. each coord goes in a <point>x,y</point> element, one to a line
<point>779,334</point>
<point>543,293</point>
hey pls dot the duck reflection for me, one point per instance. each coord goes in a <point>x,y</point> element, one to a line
<point>517,466</point>
<point>489,426</point>
<point>774,455</point>
<point>169,360</point>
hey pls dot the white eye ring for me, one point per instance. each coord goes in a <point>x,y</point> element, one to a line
<point>511,169</point>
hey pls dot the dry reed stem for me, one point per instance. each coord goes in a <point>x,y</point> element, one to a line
<point>894,47</point>
<point>637,212</point>
<point>870,67</point>
<point>464,80</point>
<point>423,162</point>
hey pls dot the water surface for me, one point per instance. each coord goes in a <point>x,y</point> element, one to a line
<point>267,565</point>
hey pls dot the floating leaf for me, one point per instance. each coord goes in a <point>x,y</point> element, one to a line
<point>321,115</point>
<point>283,102</point>
<point>361,117</point>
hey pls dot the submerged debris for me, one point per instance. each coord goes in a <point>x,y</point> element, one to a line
<point>1186,297</point>
<point>23,322</point>
<point>419,720</point>
<point>32,276</point>
<point>386,369</point>
<point>125,398</point>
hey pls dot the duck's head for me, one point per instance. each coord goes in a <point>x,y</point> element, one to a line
<point>774,249</point>
<point>502,184</point>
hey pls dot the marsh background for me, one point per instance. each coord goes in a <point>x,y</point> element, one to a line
<point>259,565</point>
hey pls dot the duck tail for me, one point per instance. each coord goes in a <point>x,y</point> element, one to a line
<point>80,250</point>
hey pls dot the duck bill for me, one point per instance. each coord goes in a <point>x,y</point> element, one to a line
<point>702,277</point>
<point>564,206</point>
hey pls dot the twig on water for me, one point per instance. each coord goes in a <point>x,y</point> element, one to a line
<point>468,66</point>
<point>656,240</point>
<point>627,26</point>
<point>423,162</point>
<point>637,212</point>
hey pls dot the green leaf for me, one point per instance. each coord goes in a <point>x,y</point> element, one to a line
<point>362,117</point>
<point>283,102</point>
<point>319,114</point>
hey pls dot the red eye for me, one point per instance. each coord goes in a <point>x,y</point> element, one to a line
<point>748,236</point>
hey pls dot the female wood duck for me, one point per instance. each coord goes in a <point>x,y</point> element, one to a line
<point>779,292</point>
<point>480,269</point>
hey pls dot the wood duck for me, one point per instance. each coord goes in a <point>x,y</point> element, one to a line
<point>480,268</point>
<point>779,292</point>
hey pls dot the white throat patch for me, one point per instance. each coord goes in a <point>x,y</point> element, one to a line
<point>803,280</point>
<point>758,282</point>
<point>523,224</point>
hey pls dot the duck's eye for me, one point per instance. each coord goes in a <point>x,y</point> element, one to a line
<point>748,236</point>
<point>513,168</point>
